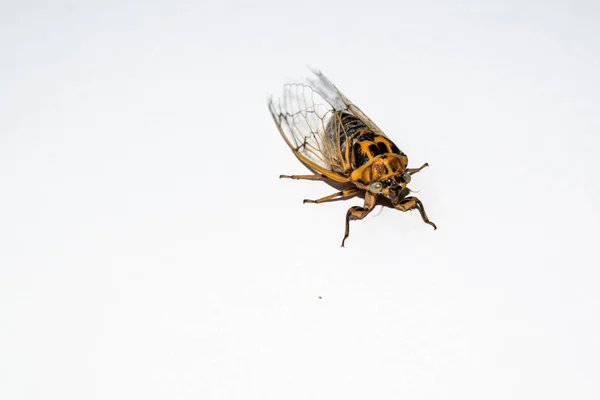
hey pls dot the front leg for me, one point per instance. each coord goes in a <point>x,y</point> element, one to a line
<point>410,203</point>
<point>413,171</point>
<point>343,193</point>
<point>309,177</point>
<point>359,212</point>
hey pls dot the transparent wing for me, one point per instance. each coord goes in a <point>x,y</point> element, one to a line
<point>303,116</point>
<point>333,95</point>
<point>308,116</point>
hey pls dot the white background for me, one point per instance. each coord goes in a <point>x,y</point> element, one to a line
<point>149,251</point>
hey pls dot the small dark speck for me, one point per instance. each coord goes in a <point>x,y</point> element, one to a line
<point>320,297</point>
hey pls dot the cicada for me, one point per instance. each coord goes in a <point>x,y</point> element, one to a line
<point>337,141</point>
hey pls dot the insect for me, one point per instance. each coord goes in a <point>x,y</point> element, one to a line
<point>337,141</point>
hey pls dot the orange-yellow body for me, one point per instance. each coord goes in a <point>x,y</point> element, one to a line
<point>338,141</point>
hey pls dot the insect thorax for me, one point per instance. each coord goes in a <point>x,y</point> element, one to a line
<point>379,168</point>
<point>370,154</point>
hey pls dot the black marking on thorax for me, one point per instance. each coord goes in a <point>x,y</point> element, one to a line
<point>357,131</point>
<point>378,149</point>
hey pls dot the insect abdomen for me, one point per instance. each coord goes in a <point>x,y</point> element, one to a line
<point>345,126</point>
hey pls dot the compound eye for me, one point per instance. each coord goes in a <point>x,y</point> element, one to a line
<point>406,177</point>
<point>376,187</point>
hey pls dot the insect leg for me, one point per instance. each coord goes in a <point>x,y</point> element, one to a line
<point>413,171</point>
<point>343,193</point>
<point>410,203</point>
<point>311,177</point>
<point>359,212</point>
